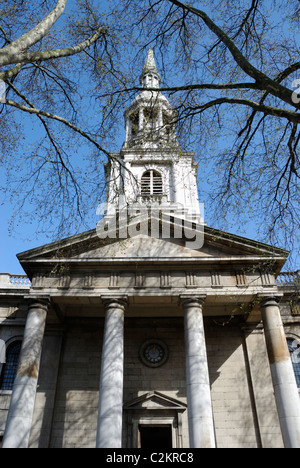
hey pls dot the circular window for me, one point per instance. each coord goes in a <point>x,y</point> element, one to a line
<point>154,353</point>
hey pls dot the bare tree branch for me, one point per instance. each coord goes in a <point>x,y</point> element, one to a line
<point>260,78</point>
<point>23,58</point>
<point>267,110</point>
<point>39,112</point>
<point>12,53</point>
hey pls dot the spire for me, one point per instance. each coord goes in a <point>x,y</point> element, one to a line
<point>150,119</point>
<point>150,78</point>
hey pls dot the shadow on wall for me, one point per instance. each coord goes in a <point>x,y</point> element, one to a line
<point>242,393</point>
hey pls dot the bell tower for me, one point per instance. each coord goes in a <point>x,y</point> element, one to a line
<point>150,119</point>
<point>151,167</point>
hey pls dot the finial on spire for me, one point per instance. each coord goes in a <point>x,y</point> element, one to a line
<point>150,78</point>
<point>150,64</point>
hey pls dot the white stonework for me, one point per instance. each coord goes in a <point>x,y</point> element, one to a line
<point>151,144</point>
<point>209,378</point>
<point>109,430</point>
<point>201,426</point>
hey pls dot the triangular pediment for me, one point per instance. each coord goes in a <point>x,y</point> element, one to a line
<point>155,401</point>
<point>143,246</point>
<point>217,246</point>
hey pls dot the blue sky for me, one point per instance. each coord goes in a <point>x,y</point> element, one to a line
<point>16,242</point>
<point>10,246</point>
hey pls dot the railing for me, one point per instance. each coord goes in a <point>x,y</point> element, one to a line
<point>19,280</point>
<point>8,281</point>
<point>288,278</point>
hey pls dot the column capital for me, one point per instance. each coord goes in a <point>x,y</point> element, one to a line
<point>115,300</point>
<point>268,300</point>
<point>192,299</point>
<point>38,301</point>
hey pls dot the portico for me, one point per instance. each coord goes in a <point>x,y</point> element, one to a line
<point>191,309</point>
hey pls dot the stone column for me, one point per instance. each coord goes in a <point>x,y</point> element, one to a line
<point>141,119</point>
<point>127,128</point>
<point>19,420</point>
<point>200,416</point>
<point>161,120</point>
<point>110,410</point>
<point>284,382</point>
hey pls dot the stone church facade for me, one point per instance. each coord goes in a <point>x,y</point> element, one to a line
<point>152,330</point>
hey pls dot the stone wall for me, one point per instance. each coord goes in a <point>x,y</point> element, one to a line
<point>76,404</point>
<point>242,394</point>
<point>168,379</point>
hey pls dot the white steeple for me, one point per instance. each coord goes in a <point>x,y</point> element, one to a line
<point>151,167</point>
<point>150,119</point>
<point>150,78</point>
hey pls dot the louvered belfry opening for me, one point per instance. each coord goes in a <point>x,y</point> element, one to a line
<point>151,183</point>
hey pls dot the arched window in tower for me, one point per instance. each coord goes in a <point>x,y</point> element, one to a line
<point>294,349</point>
<point>151,183</point>
<point>9,369</point>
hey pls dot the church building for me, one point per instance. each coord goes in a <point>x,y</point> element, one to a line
<point>153,330</point>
